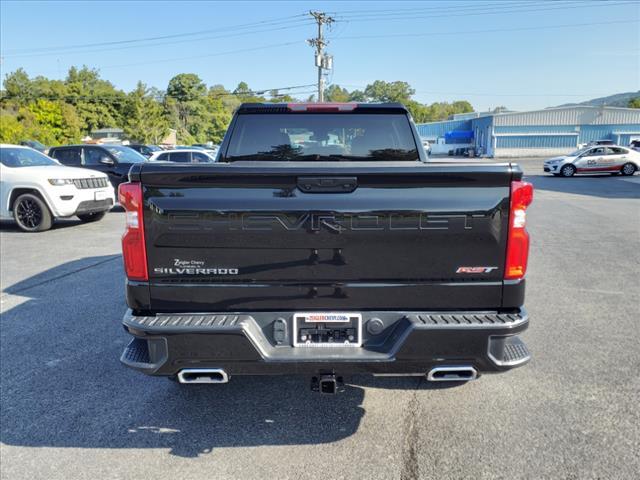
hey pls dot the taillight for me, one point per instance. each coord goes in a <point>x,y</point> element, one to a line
<point>133,248</point>
<point>518,240</point>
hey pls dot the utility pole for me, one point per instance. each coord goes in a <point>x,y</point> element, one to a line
<point>323,62</point>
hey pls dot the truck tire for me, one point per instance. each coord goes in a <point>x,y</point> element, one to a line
<point>568,170</point>
<point>628,169</point>
<point>31,213</point>
<point>92,217</point>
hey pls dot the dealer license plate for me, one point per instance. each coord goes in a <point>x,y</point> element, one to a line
<point>327,329</point>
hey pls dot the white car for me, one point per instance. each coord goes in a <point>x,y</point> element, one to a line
<point>595,159</point>
<point>36,189</point>
<point>183,155</point>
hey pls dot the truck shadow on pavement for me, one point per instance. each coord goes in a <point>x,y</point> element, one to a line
<point>63,386</point>
<point>604,186</point>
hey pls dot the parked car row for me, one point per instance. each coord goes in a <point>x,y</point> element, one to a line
<point>36,189</point>
<point>145,150</point>
<point>186,155</point>
<point>80,180</point>
<point>113,160</point>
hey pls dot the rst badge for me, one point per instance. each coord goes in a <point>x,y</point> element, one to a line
<point>475,269</point>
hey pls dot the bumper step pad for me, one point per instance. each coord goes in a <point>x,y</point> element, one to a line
<point>509,351</point>
<point>137,351</point>
<point>467,319</point>
<point>191,321</point>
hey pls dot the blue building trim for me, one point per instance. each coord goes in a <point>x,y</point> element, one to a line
<point>552,131</point>
<point>537,129</point>
<point>435,130</point>
<point>536,141</point>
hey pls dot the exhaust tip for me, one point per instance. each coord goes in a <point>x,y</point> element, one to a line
<point>203,375</point>
<point>452,374</point>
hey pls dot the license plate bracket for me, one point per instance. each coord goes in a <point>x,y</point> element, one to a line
<point>327,329</point>
<point>100,195</point>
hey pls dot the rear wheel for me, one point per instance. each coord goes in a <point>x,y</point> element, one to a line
<point>92,217</point>
<point>568,170</point>
<point>628,169</point>
<point>31,213</point>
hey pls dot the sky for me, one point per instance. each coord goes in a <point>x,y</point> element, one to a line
<point>519,54</point>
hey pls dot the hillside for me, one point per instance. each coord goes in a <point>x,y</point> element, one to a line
<point>615,100</point>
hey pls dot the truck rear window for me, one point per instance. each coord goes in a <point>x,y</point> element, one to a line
<point>322,137</point>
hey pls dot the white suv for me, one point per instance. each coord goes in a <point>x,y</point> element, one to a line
<point>35,189</point>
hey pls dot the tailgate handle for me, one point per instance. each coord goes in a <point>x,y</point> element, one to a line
<point>327,184</point>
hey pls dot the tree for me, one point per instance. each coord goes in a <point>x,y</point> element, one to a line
<point>634,102</point>
<point>144,116</point>
<point>97,101</point>
<point>17,87</point>
<point>185,105</point>
<point>336,94</point>
<point>11,129</point>
<point>230,101</point>
<point>419,112</point>
<point>357,96</point>
<point>277,97</point>
<point>52,123</point>
<point>186,87</point>
<point>441,110</point>
<point>217,120</point>
<point>381,91</point>
<point>61,111</point>
<point>246,95</point>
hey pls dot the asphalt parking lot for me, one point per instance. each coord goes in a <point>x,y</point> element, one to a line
<point>70,410</point>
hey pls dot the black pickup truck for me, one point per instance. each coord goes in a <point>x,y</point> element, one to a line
<point>323,242</point>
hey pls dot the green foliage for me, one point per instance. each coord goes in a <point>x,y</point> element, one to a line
<point>144,118</point>
<point>52,122</point>
<point>336,94</point>
<point>97,101</point>
<point>246,95</point>
<point>186,87</point>
<point>11,129</point>
<point>18,87</point>
<point>63,111</point>
<point>381,91</point>
<point>634,102</point>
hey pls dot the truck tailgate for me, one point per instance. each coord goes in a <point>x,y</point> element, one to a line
<point>327,237</point>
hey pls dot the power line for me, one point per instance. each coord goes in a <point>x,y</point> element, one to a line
<point>493,11</point>
<point>440,7</point>
<point>495,30</point>
<point>225,36</point>
<point>208,55</point>
<point>272,22</point>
